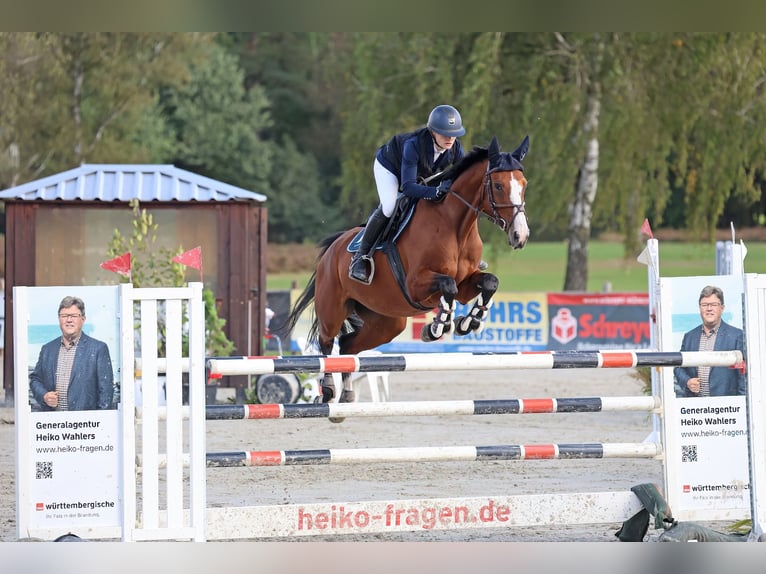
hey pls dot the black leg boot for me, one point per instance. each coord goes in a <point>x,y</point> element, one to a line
<point>358,268</point>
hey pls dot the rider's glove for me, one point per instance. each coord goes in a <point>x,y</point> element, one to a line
<point>442,189</point>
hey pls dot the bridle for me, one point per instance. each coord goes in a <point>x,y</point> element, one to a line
<point>487,189</point>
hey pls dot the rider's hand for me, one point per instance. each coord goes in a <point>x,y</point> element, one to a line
<point>442,189</point>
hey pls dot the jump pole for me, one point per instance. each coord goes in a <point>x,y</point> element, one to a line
<point>513,452</point>
<point>424,408</point>
<point>368,455</point>
<point>218,367</point>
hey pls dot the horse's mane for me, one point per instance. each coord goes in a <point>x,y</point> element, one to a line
<point>476,155</point>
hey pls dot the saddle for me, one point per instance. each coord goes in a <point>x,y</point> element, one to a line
<point>403,211</point>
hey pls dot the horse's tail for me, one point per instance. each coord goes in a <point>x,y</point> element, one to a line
<point>303,302</point>
<point>307,297</point>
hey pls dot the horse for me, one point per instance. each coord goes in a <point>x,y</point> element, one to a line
<point>433,263</point>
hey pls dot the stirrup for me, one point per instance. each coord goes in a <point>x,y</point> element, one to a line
<point>364,258</point>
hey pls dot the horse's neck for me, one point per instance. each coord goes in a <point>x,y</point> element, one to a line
<point>464,214</point>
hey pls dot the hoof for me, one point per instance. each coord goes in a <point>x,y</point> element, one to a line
<point>465,325</point>
<point>327,394</point>
<point>426,335</point>
<point>345,397</point>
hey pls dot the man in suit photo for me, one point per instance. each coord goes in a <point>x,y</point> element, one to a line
<point>74,371</point>
<point>714,334</point>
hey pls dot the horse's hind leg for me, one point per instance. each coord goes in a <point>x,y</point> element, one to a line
<point>474,320</point>
<point>327,389</point>
<point>331,322</point>
<point>371,331</point>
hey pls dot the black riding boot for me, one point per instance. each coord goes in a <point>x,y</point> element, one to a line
<point>358,268</point>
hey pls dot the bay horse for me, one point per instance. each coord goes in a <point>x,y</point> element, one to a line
<point>433,263</point>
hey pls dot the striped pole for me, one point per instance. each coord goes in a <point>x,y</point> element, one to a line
<point>430,408</point>
<point>230,366</point>
<point>433,454</point>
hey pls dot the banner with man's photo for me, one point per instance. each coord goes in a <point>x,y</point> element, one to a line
<point>706,458</point>
<point>69,461</point>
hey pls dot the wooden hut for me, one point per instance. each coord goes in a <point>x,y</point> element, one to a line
<point>58,230</point>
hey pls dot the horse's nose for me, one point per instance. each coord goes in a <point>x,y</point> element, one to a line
<point>519,233</point>
<point>519,239</point>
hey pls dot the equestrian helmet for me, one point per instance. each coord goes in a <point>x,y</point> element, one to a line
<point>446,120</point>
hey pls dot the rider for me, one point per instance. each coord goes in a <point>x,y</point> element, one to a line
<point>400,165</point>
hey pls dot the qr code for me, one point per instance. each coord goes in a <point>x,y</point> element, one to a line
<point>689,453</point>
<point>44,469</point>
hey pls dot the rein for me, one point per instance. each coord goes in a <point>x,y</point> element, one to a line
<point>495,217</point>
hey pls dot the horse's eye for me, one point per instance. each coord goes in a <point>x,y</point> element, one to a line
<point>498,186</point>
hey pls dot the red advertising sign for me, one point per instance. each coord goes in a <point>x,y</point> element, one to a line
<point>588,321</point>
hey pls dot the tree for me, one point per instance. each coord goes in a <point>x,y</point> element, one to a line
<point>588,71</point>
<point>216,126</point>
<point>720,150</point>
<point>70,98</point>
<point>304,77</point>
<point>296,211</point>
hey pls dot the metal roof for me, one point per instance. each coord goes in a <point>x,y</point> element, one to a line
<point>123,182</point>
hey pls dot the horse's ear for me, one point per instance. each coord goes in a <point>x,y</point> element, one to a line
<point>522,150</point>
<point>494,152</point>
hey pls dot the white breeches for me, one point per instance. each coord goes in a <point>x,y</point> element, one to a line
<point>388,187</point>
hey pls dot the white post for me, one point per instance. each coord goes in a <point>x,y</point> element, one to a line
<point>650,257</point>
<point>128,407</point>
<point>755,348</point>
<point>197,448</point>
<point>182,518</point>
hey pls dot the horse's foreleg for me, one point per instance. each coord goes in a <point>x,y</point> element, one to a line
<point>442,323</point>
<point>474,320</point>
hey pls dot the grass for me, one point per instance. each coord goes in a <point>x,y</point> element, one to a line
<point>542,266</point>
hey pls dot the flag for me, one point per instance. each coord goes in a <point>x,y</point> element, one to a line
<point>120,264</point>
<point>191,258</point>
<point>646,229</point>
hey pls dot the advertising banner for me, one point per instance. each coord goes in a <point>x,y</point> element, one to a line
<point>598,321</point>
<point>706,458</point>
<point>68,467</point>
<point>515,322</point>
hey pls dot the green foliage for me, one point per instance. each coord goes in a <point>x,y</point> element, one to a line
<point>151,266</point>
<point>217,344</point>
<point>303,77</point>
<point>72,98</point>
<point>298,116</point>
<point>644,376</point>
<point>296,211</point>
<point>217,125</point>
<point>154,267</point>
